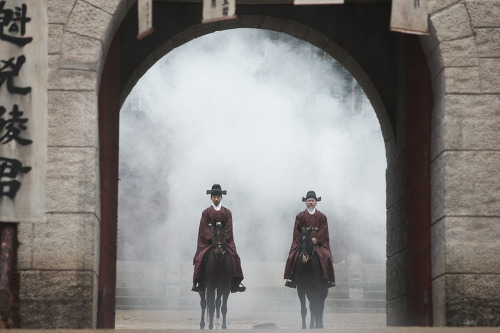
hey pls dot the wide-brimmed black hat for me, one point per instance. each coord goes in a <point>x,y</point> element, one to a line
<point>216,190</point>
<point>311,195</point>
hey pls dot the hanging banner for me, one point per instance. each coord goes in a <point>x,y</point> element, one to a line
<point>318,2</point>
<point>218,10</point>
<point>145,18</point>
<point>23,110</point>
<point>410,16</point>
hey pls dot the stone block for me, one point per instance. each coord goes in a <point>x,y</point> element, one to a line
<point>466,184</point>
<point>397,228</point>
<point>488,42</point>
<point>462,80</point>
<point>435,62</point>
<point>438,249</point>
<point>467,245</point>
<point>274,24</point>
<point>109,6</point>
<point>67,79</point>
<point>56,32</point>
<point>489,69</point>
<point>484,13</point>
<point>80,52</point>
<point>65,242</point>
<point>470,122</point>
<point>398,311</point>
<point>57,299</point>
<point>452,23</point>
<point>459,52</point>
<point>71,179</point>
<point>439,301</point>
<point>397,276</point>
<point>58,11</point>
<point>90,21</point>
<point>472,300</point>
<point>437,5</point>
<point>25,249</point>
<point>72,119</point>
<point>438,188</point>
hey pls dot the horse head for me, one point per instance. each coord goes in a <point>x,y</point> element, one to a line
<point>306,246</point>
<point>219,240</point>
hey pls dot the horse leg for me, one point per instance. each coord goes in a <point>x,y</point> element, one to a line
<point>303,310</point>
<point>203,304</point>
<point>312,309</point>
<point>321,307</point>
<point>225,296</point>
<point>217,306</point>
<point>211,306</point>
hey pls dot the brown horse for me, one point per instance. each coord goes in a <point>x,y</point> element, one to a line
<point>218,277</point>
<point>309,281</point>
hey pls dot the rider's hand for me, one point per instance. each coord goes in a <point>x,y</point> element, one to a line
<point>315,241</point>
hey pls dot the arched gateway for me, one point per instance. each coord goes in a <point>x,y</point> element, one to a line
<point>427,92</point>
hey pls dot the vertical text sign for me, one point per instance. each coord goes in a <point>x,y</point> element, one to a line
<point>218,10</point>
<point>410,16</point>
<point>144,18</point>
<point>23,110</point>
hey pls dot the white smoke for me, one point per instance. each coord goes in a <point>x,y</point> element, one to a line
<point>267,119</point>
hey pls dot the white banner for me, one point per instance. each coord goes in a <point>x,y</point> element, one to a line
<point>145,18</point>
<point>23,109</point>
<point>410,16</point>
<point>318,2</point>
<point>218,10</point>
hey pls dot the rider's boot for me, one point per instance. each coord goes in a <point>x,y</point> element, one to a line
<point>290,283</point>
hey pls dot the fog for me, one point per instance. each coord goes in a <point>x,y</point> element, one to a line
<point>268,117</point>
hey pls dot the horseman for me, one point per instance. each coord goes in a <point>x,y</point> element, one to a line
<point>311,219</point>
<point>216,213</point>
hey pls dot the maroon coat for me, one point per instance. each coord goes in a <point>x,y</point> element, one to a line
<point>318,219</point>
<point>210,216</point>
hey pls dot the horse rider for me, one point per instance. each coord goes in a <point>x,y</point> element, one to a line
<point>216,213</point>
<point>311,219</point>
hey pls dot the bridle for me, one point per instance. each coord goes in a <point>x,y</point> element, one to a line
<point>219,245</point>
<point>303,254</point>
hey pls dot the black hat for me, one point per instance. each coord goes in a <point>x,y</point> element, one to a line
<point>216,190</point>
<point>311,195</point>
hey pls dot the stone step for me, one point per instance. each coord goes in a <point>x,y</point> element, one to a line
<point>289,304</point>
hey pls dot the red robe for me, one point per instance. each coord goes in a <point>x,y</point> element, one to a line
<point>318,219</point>
<point>210,215</point>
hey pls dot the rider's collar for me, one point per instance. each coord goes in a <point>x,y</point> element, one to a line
<point>217,208</point>
<point>311,211</point>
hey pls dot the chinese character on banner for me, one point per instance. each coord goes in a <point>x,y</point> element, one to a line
<point>11,128</point>
<point>410,16</point>
<point>145,18</point>
<point>10,168</point>
<point>218,10</point>
<point>318,2</point>
<point>13,24</point>
<point>9,70</point>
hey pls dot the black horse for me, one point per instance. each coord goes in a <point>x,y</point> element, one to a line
<point>218,277</point>
<point>309,281</point>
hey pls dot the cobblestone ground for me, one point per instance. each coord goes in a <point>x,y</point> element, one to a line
<point>190,319</point>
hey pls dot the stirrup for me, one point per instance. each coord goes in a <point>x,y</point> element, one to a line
<point>290,284</point>
<point>197,287</point>
<point>238,288</point>
<point>330,284</point>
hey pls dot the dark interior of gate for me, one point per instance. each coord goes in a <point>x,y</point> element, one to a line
<point>396,68</point>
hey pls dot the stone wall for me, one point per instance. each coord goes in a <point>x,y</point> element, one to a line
<point>464,58</point>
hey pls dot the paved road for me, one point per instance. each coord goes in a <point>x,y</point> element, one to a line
<point>190,319</point>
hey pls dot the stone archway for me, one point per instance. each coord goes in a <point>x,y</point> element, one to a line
<point>378,70</point>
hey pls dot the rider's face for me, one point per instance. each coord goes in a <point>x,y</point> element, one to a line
<point>311,203</point>
<point>216,199</point>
